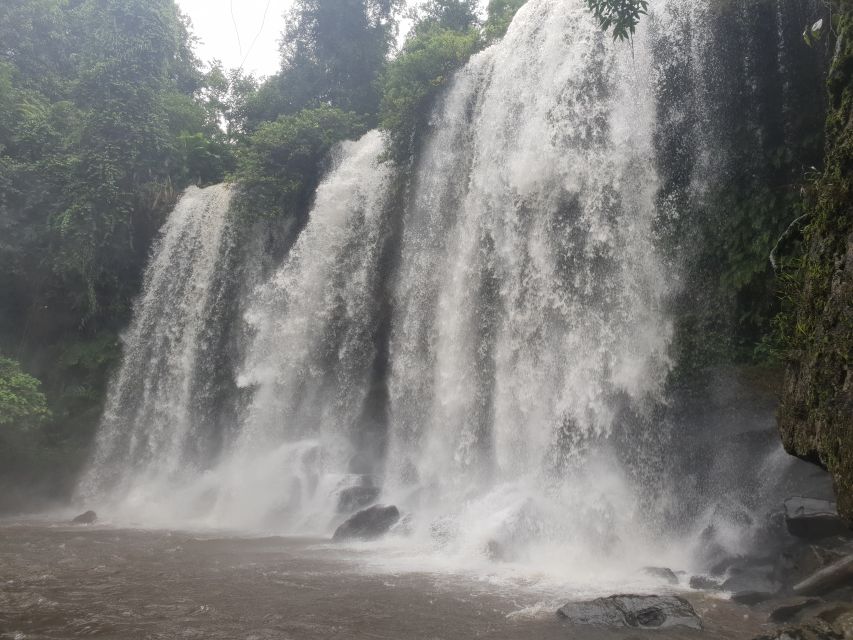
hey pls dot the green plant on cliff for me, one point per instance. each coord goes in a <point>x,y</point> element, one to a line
<point>103,119</point>
<point>816,416</point>
<point>281,163</point>
<point>622,16</point>
<point>415,78</point>
<point>500,15</point>
<point>22,404</point>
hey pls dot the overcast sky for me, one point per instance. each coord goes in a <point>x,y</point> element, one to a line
<point>218,32</point>
<point>230,39</point>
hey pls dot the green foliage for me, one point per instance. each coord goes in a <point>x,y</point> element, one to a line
<point>105,115</point>
<point>622,16</point>
<point>22,404</point>
<point>332,55</point>
<point>281,164</point>
<point>815,417</point>
<point>455,15</point>
<point>416,76</point>
<point>500,15</point>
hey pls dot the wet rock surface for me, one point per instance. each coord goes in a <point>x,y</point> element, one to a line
<point>368,524</point>
<point>788,610</point>
<point>704,583</point>
<point>751,585</point>
<point>813,519</point>
<point>664,574</point>
<point>355,498</point>
<point>836,576</point>
<point>633,611</point>
<point>89,517</point>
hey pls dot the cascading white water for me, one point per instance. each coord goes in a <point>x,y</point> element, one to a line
<point>311,340</point>
<point>152,424</point>
<point>530,293</point>
<point>528,336</point>
<point>308,364</point>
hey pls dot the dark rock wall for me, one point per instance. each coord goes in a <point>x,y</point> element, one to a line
<point>816,415</point>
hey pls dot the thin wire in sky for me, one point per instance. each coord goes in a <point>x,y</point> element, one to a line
<point>257,35</point>
<point>236,30</point>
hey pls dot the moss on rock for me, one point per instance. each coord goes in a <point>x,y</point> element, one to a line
<point>816,415</point>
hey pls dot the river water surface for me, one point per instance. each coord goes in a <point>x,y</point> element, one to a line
<point>58,581</point>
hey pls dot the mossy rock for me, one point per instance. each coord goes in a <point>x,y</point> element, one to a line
<point>816,415</point>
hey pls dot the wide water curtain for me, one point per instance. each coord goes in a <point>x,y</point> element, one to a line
<point>462,341</point>
<point>530,289</point>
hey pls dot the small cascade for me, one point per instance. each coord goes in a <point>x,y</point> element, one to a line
<point>156,424</point>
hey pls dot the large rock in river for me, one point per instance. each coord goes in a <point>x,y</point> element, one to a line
<point>636,612</point>
<point>368,524</point>
<point>836,576</point>
<point>813,519</point>
<point>359,497</point>
<point>86,518</point>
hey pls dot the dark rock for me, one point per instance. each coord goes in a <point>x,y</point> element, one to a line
<point>813,519</point>
<point>751,598</point>
<point>800,561</point>
<point>751,585</point>
<point>86,518</point>
<point>637,612</point>
<point>704,583</point>
<point>494,551</point>
<point>662,573</point>
<point>355,498</point>
<point>368,524</point>
<point>835,576</point>
<point>811,630</point>
<point>788,610</point>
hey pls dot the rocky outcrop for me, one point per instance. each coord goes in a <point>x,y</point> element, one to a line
<point>816,415</point>
<point>354,498</point>
<point>813,519</point>
<point>89,517</point>
<point>837,575</point>
<point>636,612</point>
<point>368,524</point>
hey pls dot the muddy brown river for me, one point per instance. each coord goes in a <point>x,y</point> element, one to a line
<point>58,581</point>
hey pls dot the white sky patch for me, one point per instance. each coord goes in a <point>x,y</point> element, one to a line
<point>247,39</point>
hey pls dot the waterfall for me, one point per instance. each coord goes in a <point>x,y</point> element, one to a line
<point>530,299</point>
<point>158,405</point>
<point>483,341</point>
<point>313,326</point>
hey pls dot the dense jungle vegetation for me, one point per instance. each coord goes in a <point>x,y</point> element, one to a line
<point>106,115</point>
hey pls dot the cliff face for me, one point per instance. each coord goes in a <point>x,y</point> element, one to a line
<point>816,416</point>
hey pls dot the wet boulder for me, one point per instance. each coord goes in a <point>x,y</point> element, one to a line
<point>789,609</point>
<point>89,517</point>
<point>836,576</point>
<point>704,583</point>
<point>664,574</point>
<point>812,630</point>
<point>632,611</point>
<point>355,498</point>
<point>368,524</point>
<point>813,519</point>
<point>751,585</point>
